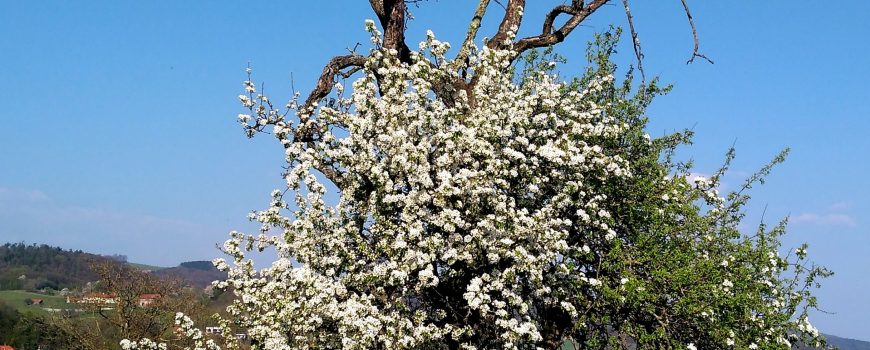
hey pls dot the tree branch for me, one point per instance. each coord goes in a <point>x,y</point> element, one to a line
<point>635,42</point>
<point>551,16</point>
<point>378,7</point>
<point>308,132</point>
<point>391,14</point>
<point>327,77</point>
<point>513,16</point>
<point>472,30</point>
<point>695,52</point>
<point>578,13</point>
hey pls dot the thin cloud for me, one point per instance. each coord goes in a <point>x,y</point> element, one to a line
<point>19,194</point>
<point>839,206</point>
<point>831,219</point>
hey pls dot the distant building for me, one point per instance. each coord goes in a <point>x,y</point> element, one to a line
<point>6,347</point>
<point>104,298</point>
<point>219,331</point>
<point>35,302</point>
<point>92,298</point>
<point>148,299</point>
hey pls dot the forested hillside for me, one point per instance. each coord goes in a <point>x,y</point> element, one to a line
<point>197,274</point>
<point>34,267</point>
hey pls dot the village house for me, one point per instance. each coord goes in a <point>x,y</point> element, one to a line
<point>148,299</point>
<point>104,298</point>
<point>219,331</point>
<point>92,298</point>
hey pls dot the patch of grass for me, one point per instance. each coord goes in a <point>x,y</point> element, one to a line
<point>18,298</point>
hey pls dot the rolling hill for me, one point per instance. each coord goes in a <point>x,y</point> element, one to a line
<point>197,274</point>
<point>846,343</point>
<point>35,267</point>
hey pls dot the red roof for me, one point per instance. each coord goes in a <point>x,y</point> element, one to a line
<point>6,347</point>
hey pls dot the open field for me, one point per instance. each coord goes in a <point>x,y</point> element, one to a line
<point>17,298</point>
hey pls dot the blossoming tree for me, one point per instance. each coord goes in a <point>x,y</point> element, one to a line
<point>486,203</point>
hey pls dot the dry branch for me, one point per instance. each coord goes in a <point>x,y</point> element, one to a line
<point>695,52</point>
<point>327,77</point>
<point>578,13</point>
<point>635,41</point>
<point>473,27</point>
<point>393,15</point>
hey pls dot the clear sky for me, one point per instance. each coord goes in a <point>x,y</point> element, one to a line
<point>118,133</point>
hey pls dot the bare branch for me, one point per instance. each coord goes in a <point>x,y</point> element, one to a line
<point>327,77</point>
<point>551,16</point>
<point>695,52</point>
<point>635,42</point>
<point>347,74</point>
<point>578,13</point>
<point>472,30</point>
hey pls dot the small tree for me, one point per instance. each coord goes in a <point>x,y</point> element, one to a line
<point>134,304</point>
<point>487,203</point>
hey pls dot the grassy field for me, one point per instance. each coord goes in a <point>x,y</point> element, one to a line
<point>17,298</point>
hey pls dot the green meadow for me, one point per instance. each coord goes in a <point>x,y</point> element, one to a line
<point>18,300</point>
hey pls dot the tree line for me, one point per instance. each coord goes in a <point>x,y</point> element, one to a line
<point>40,266</point>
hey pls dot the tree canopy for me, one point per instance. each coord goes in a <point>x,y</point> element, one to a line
<point>486,202</point>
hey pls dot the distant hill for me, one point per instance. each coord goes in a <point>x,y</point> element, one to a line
<point>198,274</point>
<point>846,343</point>
<point>39,266</point>
<point>144,267</point>
<point>35,267</point>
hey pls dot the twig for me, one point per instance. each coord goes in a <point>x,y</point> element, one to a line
<point>635,42</point>
<point>695,52</point>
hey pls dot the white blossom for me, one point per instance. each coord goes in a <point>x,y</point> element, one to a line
<point>495,194</point>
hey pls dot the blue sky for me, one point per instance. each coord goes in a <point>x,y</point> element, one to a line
<point>118,131</point>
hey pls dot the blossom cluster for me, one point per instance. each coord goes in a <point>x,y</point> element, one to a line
<point>494,182</point>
